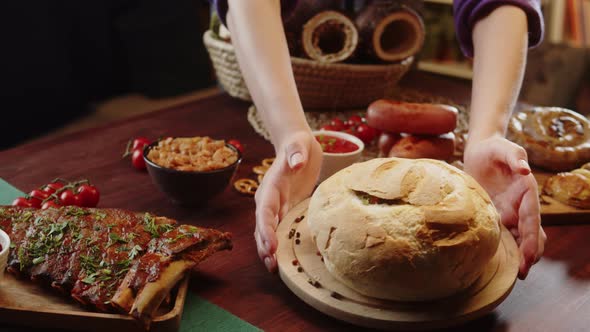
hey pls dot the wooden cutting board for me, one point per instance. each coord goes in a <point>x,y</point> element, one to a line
<point>303,271</point>
<point>557,213</point>
<point>24,303</point>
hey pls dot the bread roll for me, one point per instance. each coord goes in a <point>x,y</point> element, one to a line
<point>405,230</point>
<point>421,146</point>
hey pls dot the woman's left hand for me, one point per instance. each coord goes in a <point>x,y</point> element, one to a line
<point>502,169</point>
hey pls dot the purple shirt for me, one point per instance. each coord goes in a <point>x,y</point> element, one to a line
<point>467,13</point>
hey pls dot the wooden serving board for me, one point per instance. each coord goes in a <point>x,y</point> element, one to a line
<point>557,213</point>
<point>303,271</point>
<point>25,303</point>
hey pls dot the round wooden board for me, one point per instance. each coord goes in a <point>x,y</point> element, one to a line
<point>301,268</point>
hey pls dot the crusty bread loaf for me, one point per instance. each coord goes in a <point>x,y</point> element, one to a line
<point>407,230</point>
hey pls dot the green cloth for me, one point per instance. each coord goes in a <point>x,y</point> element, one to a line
<point>8,193</point>
<point>199,314</point>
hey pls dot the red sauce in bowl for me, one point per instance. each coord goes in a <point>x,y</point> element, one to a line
<point>332,144</point>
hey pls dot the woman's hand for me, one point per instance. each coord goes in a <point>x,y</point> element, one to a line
<point>290,179</point>
<point>501,167</point>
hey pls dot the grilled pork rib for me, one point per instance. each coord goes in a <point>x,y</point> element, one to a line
<point>109,259</point>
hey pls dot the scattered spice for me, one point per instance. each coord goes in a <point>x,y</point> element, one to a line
<point>295,262</point>
<point>298,219</point>
<point>297,241</point>
<point>337,296</point>
<point>297,235</point>
<point>291,233</point>
<point>314,283</point>
<point>299,269</point>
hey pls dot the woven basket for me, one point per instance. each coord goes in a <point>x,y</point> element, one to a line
<point>320,85</point>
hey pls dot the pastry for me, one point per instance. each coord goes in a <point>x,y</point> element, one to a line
<point>555,138</point>
<point>571,188</point>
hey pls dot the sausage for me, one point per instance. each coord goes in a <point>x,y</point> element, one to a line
<point>386,141</point>
<point>412,118</point>
<point>416,147</point>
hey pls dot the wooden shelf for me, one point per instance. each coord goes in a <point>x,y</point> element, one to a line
<point>460,70</point>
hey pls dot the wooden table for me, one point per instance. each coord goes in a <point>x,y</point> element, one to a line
<point>555,296</point>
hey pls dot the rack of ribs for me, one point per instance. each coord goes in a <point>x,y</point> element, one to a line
<point>110,260</point>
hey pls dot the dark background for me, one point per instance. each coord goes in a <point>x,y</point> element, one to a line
<point>58,57</point>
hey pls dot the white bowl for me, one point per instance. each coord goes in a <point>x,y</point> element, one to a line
<point>333,162</point>
<point>5,243</point>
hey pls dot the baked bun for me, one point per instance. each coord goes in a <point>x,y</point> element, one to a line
<point>401,229</point>
<point>555,138</point>
<point>571,188</point>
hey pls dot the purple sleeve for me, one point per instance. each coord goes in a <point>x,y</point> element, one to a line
<point>220,6</point>
<point>468,12</point>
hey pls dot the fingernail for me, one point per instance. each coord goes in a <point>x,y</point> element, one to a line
<point>267,263</point>
<point>296,159</point>
<point>524,165</point>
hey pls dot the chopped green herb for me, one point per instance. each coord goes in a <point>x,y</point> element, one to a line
<point>117,238</point>
<point>38,260</point>
<point>131,236</point>
<point>178,237</point>
<point>90,279</point>
<point>75,211</point>
<point>23,258</point>
<point>165,227</point>
<point>122,249</point>
<point>134,251</point>
<point>154,229</point>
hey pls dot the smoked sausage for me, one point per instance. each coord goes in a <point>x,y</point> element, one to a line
<point>412,118</point>
<point>416,147</point>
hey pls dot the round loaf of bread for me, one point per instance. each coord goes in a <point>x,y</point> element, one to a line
<point>405,230</point>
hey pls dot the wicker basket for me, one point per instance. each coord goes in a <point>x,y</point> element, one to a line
<point>321,86</point>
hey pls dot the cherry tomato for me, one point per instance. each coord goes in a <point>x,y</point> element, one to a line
<point>39,194</point>
<point>77,200</point>
<point>50,204</point>
<point>22,202</point>
<point>88,195</point>
<point>137,160</point>
<point>337,123</point>
<point>35,202</point>
<point>67,197</point>
<point>236,144</point>
<point>328,127</point>
<point>354,120</point>
<point>52,187</point>
<point>140,143</point>
<point>365,133</point>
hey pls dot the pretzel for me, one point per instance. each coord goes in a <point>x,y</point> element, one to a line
<point>246,186</point>
<point>267,162</point>
<point>260,169</point>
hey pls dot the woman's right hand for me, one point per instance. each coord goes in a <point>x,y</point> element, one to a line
<point>291,179</point>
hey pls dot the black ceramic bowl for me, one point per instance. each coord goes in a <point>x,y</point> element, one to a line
<point>190,188</point>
